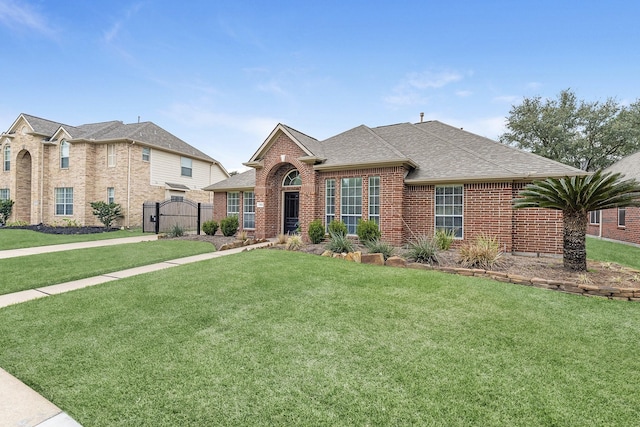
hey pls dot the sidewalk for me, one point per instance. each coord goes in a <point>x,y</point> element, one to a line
<point>20,406</point>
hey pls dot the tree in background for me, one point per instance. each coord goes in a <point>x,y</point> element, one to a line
<point>576,196</point>
<point>586,135</point>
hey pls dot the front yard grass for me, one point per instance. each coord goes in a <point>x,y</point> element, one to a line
<point>19,238</point>
<point>33,271</point>
<point>285,338</point>
<point>603,250</point>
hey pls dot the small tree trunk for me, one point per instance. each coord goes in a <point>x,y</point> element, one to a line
<point>574,251</point>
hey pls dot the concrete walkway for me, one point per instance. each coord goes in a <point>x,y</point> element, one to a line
<point>21,406</point>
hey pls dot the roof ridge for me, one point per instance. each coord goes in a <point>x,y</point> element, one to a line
<point>387,143</point>
<point>493,162</point>
<point>296,130</point>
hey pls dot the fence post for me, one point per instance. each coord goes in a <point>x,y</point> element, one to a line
<point>199,219</point>
<point>157,218</point>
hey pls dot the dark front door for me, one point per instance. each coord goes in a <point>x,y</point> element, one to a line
<point>291,208</point>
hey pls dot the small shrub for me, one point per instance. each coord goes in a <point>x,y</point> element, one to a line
<point>176,231</point>
<point>229,225</point>
<point>210,227</point>
<point>70,222</point>
<point>107,213</point>
<point>337,227</point>
<point>6,206</point>
<point>423,249</point>
<point>242,235</point>
<point>339,243</point>
<point>282,238</point>
<point>483,252</point>
<point>316,231</point>
<point>17,224</point>
<point>294,242</point>
<point>367,231</point>
<point>444,239</point>
<point>377,246</point>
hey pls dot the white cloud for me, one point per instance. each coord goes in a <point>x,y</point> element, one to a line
<point>534,85</point>
<point>112,33</point>
<point>464,93</point>
<point>428,79</point>
<point>506,99</point>
<point>411,89</point>
<point>19,16</point>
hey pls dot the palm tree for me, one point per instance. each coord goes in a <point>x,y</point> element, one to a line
<point>575,196</point>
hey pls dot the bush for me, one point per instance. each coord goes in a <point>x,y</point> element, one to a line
<point>229,225</point>
<point>337,227</point>
<point>444,239</point>
<point>367,231</point>
<point>294,242</point>
<point>282,239</point>
<point>377,246</point>
<point>483,252</point>
<point>316,231</point>
<point>107,213</point>
<point>210,227</point>
<point>6,206</point>
<point>339,243</point>
<point>176,231</point>
<point>423,249</point>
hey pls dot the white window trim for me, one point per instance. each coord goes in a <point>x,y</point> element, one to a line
<point>248,213</point>
<point>344,215</point>
<point>183,167</point>
<point>625,217</point>
<point>64,203</point>
<point>435,215</point>
<point>328,199</point>
<point>111,155</point>
<point>6,157</point>
<point>375,217</point>
<point>594,215</point>
<point>64,144</point>
<point>296,178</point>
<point>237,204</point>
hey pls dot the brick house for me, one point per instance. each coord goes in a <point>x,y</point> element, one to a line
<point>410,178</point>
<point>53,171</point>
<point>622,224</point>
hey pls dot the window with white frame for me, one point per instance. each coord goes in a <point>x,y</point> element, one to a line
<point>594,217</point>
<point>4,194</point>
<point>64,155</point>
<point>351,203</point>
<point>6,164</point>
<point>374,199</point>
<point>186,166</point>
<point>292,178</point>
<point>64,200</point>
<point>146,154</point>
<point>111,155</point>
<point>248,210</point>
<point>111,195</point>
<point>622,217</point>
<point>177,198</point>
<point>233,203</point>
<point>449,208</point>
<point>329,202</point>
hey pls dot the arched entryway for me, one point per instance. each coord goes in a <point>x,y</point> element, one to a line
<point>22,207</point>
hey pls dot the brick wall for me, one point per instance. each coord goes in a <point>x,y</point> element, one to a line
<point>536,230</point>
<point>609,220</point>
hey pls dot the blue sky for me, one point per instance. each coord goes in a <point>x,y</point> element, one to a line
<point>221,75</point>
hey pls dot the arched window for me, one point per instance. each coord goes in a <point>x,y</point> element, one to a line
<point>292,178</point>
<point>64,154</point>
<point>7,158</point>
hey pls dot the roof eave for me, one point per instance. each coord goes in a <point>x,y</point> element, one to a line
<point>487,178</point>
<point>408,163</point>
<point>227,189</point>
<point>258,164</point>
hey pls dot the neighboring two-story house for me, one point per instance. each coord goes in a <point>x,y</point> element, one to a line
<point>621,224</point>
<point>411,179</point>
<point>53,171</point>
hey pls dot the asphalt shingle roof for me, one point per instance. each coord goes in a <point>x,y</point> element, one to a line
<point>238,181</point>
<point>628,166</point>
<point>147,133</point>
<point>435,152</point>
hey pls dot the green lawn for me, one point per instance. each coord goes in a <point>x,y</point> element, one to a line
<point>622,254</point>
<point>29,272</point>
<point>283,338</point>
<point>18,238</point>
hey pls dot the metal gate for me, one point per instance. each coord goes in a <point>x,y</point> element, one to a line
<point>160,217</point>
